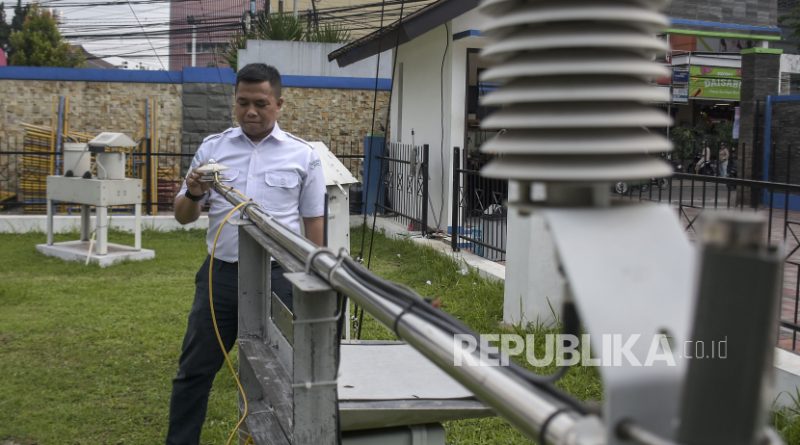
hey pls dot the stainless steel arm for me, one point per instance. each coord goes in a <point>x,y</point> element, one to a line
<point>509,395</point>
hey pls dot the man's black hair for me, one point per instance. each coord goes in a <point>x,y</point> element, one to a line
<point>260,72</point>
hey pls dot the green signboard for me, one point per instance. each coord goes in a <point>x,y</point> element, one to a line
<point>714,83</point>
<point>715,71</point>
<point>714,88</point>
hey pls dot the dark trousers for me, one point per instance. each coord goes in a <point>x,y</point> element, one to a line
<point>201,356</point>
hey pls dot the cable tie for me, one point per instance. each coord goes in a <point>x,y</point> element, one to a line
<point>407,307</point>
<point>339,261</point>
<point>244,208</point>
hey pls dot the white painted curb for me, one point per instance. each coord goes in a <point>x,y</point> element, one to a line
<point>72,223</point>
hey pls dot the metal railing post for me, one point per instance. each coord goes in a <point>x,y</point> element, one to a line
<point>148,160</point>
<point>149,176</point>
<point>456,187</point>
<point>425,193</point>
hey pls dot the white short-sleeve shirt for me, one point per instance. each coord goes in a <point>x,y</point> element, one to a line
<point>282,173</point>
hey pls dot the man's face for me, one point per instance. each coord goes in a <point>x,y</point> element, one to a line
<point>257,108</point>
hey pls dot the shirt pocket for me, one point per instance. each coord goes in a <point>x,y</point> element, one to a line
<point>229,175</point>
<point>281,190</point>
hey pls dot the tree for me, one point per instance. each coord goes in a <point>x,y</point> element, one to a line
<point>40,44</point>
<point>20,12</point>
<point>16,23</point>
<point>5,28</point>
<point>328,33</point>
<point>283,26</point>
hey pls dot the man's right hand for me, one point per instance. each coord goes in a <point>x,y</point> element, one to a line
<point>186,210</point>
<point>195,185</point>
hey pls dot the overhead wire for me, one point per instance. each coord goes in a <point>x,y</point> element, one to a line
<point>386,123</point>
<point>216,22</point>
<point>360,317</point>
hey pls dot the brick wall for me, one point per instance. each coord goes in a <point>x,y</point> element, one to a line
<point>187,112</point>
<point>333,116</point>
<point>93,107</point>
<point>339,117</point>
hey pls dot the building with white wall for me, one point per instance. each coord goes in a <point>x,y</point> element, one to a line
<point>435,101</point>
<point>429,96</point>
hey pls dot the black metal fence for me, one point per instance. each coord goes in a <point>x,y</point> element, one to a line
<point>26,159</point>
<point>777,198</point>
<point>25,165</point>
<point>351,154</point>
<point>479,213</point>
<point>404,184</point>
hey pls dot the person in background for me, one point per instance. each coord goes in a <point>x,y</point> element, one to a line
<point>723,157</point>
<point>705,158</point>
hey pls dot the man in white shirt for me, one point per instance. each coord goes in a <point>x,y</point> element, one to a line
<point>281,173</point>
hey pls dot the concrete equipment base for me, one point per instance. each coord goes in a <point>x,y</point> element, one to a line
<point>79,250</point>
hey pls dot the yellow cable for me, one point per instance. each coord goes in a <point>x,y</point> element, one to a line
<point>216,328</point>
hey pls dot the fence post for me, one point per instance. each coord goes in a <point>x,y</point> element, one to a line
<point>454,209</point>
<point>148,159</point>
<point>425,177</point>
<point>374,147</point>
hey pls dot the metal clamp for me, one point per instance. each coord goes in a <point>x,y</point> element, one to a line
<point>314,254</point>
<point>339,261</point>
<point>244,208</point>
<point>335,317</point>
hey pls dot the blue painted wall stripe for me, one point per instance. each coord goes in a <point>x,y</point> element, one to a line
<point>465,34</point>
<point>348,83</point>
<point>787,98</point>
<point>89,74</point>
<point>209,75</point>
<point>188,75</point>
<point>720,25</point>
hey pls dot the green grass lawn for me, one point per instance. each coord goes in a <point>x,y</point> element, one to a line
<point>87,354</point>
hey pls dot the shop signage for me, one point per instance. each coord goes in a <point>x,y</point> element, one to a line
<point>680,74</point>
<point>680,94</point>
<point>714,88</point>
<point>715,71</point>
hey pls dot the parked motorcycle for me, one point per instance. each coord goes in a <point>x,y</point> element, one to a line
<point>707,167</point>
<point>622,187</point>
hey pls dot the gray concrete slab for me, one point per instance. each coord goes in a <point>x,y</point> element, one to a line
<point>79,251</point>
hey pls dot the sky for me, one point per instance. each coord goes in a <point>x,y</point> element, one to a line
<point>137,30</point>
<point>101,27</point>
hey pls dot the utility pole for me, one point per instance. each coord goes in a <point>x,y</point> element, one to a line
<point>193,24</point>
<point>316,18</point>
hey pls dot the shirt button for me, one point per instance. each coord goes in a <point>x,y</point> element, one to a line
<point>283,182</point>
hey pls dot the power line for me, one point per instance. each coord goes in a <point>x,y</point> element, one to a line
<point>216,26</point>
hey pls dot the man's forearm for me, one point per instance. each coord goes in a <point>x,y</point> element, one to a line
<point>186,210</point>
<point>314,229</point>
